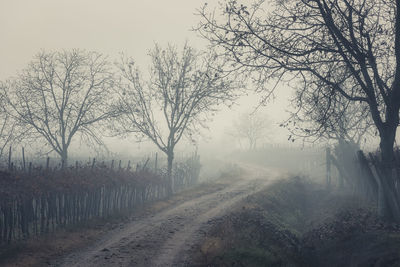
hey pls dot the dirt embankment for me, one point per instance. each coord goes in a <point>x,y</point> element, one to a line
<point>297,223</point>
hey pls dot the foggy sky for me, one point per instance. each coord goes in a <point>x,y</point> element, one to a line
<point>112,27</point>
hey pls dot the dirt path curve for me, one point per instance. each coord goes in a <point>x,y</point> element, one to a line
<point>166,238</point>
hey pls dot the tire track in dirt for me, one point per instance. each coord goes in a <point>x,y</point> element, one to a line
<point>165,238</point>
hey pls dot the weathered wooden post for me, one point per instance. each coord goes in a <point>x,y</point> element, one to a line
<point>9,159</point>
<point>145,164</point>
<point>155,162</point>
<point>93,163</point>
<point>341,180</point>
<point>23,158</point>
<point>328,167</point>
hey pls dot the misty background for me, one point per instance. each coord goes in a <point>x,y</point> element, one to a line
<point>131,28</point>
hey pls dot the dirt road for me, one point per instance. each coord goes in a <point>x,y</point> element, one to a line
<point>166,238</point>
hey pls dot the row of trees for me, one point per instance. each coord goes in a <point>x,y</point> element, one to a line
<point>63,96</point>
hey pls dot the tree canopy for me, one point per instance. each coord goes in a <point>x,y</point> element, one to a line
<point>329,49</point>
<point>61,95</point>
<point>184,88</point>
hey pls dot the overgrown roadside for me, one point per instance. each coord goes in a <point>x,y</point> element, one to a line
<point>298,223</point>
<point>44,250</point>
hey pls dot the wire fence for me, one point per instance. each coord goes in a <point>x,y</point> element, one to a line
<point>37,199</point>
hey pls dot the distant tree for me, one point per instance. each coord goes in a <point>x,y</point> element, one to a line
<point>326,48</point>
<point>183,90</point>
<point>61,95</point>
<point>334,118</point>
<point>251,128</point>
<point>8,128</point>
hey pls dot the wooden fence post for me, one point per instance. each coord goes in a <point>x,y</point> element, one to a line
<point>9,159</point>
<point>145,164</point>
<point>367,180</point>
<point>93,163</point>
<point>155,162</point>
<point>23,158</point>
<point>328,167</point>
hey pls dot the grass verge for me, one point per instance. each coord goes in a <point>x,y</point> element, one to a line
<point>295,222</point>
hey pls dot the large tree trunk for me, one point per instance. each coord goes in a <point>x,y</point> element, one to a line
<point>170,159</point>
<point>388,204</point>
<point>387,137</point>
<point>64,158</point>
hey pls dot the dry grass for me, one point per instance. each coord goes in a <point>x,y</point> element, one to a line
<point>297,223</point>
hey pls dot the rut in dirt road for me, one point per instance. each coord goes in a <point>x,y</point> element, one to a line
<point>166,238</point>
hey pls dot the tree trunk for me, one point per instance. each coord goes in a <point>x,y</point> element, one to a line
<point>387,135</point>
<point>388,205</point>
<point>170,159</point>
<point>64,158</point>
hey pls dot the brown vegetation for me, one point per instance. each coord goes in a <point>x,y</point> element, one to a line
<point>297,223</point>
<point>41,201</point>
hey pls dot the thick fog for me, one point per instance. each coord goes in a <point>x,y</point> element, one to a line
<point>199,133</point>
<point>132,28</point>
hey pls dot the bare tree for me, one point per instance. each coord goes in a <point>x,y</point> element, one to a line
<point>61,95</point>
<point>183,89</point>
<point>8,128</point>
<point>329,118</point>
<point>251,127</point>
<point>349,48</point>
